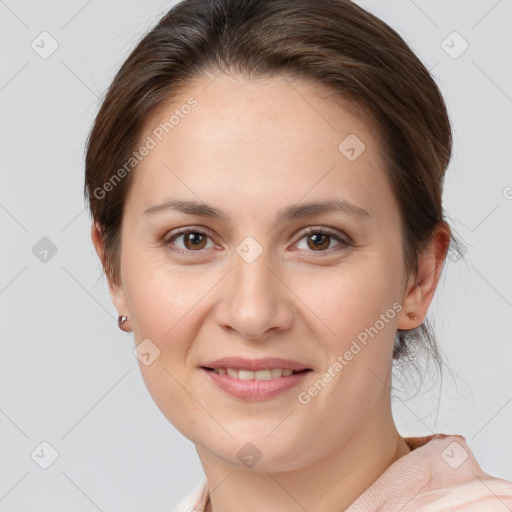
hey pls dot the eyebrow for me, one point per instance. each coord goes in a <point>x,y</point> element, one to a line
<point>289,213</point>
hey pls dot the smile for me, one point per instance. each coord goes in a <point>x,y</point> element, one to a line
<point>274,373</point>
<point>255,385</point>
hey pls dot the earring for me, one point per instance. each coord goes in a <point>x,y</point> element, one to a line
<point>412,316</point>
<point>121,321</point>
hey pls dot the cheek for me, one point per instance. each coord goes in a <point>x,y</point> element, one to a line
<point>160,295</point>
<point>166,308</point>
<point>350,298</point>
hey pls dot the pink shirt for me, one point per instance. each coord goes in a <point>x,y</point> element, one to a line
<point>440,474</point>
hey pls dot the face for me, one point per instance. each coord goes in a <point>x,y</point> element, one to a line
<point>259,272</point>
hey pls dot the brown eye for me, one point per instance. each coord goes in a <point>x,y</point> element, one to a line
<point>194,240</point>
<point>191,241</point>
<point>318,241</point>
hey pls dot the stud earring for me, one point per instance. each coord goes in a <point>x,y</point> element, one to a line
<point>121,321</point>
<point>412,316</point>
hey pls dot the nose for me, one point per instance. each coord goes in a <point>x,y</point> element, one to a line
<point>255,302</point>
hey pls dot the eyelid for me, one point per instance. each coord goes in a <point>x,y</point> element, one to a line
<point>343,240</point>
<point>334,233</point>
<point>168,238</point>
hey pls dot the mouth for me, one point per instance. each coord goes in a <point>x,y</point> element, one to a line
<point>255,379</point>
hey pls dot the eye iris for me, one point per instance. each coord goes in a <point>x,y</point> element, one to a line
<point>319,241</point>
<point>194,238</point>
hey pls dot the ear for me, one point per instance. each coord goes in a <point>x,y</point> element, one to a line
<point>419,293</point>
<point>116,291</point>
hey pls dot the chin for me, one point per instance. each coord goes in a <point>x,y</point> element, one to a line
<point>259,453</point>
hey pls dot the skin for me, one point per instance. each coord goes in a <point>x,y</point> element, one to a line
<point>251,148</point>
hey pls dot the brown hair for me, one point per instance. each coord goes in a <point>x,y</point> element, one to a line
<point>335,43</point>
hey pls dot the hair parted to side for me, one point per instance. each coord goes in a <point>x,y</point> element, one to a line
<point>333,43</point>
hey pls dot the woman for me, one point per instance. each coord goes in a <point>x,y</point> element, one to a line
<point>265,181</point>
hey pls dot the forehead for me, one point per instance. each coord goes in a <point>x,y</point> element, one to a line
<point>274,137</point>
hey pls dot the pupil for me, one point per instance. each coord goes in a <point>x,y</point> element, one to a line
<point>319,240</point>
<point>195,239</point>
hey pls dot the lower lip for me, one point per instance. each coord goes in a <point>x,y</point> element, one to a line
<point>255,389</point>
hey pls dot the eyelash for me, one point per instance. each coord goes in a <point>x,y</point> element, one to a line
<point>308,231</point>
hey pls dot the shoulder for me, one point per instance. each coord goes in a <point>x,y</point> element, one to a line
<point>196,500</point>
<point>440,471</point>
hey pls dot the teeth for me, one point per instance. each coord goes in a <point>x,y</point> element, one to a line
<point>262,375</point>
<point>274,373</point>
<point>245,374</point>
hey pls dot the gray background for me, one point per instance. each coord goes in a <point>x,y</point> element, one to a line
<point>68,375</point>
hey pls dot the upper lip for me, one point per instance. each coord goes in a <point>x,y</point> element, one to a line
<point>266,363</point>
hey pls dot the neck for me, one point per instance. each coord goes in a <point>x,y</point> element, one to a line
<point>330,484</point>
